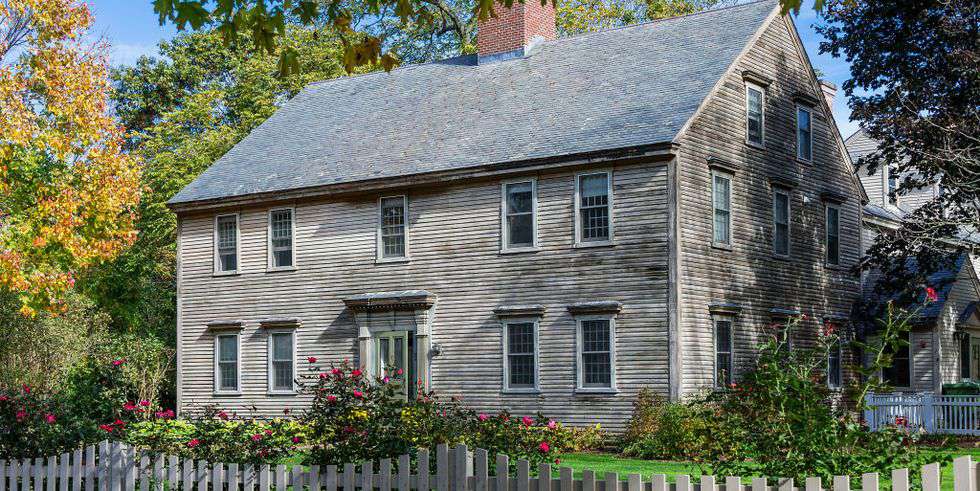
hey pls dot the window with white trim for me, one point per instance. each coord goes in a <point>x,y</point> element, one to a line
<point>519,209</point>
<point>804,133</point>
<point>899,374</point>
<point>521,354</point>
<point>281,238</point>
<point>724,350</point>
<point>282,365</point>
<point>780,222</point>
<point>226,243</point>
<point>593,205</point>
<point>721,199</point>
<point>832,226</point>
<point>596,352</point>
<point>834,366</point>
<point>755,97</point>
<point>892,172</point>
<point>393,227</point>
<point>226,371</point>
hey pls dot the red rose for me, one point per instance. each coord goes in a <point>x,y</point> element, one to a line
<point>21,415</point>
<point>311,359</point>
<point>222,415</point>
<point>295,439</point>
<point>145,403</point>
<point>49,418</point>
<point>129,406</point>
<point>256,437</point>
<point>331,399</point>
<point>356,372</point>
<point>527,421</point>
<point>931,295</point>
<point>358,394</point>
<point>193,443</point>
<point>544,447</point>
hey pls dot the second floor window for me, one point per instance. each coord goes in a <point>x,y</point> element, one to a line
<point>833,235</point>
<point>281,372</point>
<point>892,184</point>
<point>281,238</point>
<point>804,136</point>
<point>755,97</point>
<point>519,208</point>
<point>520,343</point>
<point>226,363</point>
<point>393,228</point>
<point>721,191</point>
<point>594,208</point>
<point>226,243</point>
<point>780,219</point>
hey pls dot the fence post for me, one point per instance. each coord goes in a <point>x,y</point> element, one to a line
<point>929,412</point>
<point>869,481</point>
<point>900,480</point>
<point>963,474</point>
<point>930,477</point>
<point>732,483</point>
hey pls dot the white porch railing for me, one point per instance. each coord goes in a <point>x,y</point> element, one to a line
<point>957,415</point>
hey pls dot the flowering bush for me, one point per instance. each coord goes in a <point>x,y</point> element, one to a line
<point>665,430</point>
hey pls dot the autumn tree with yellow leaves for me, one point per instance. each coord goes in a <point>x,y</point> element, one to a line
<point>68,193</point>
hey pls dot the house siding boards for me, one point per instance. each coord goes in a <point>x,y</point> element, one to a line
<point>454,244</point>
<point>749,275</point>
<point>966,289</point>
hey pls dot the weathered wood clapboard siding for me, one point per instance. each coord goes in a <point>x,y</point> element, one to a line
<point>454,246</point>
<point>966,289</point>
<point>874,184</point>
<point>749,275</point>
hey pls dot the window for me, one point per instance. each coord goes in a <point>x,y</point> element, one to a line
<point>519,209</point>
<point>892,184</point>
<point>834,372</point>
<point>724,359</point>
<point>899,374</point>
<point>520,355</point>
<point>226,363</point>
<point>393,228</point>
<point>281,238</point>
<point>596,353</point>
<point>964,355</point>
<point>721,192</point>
<point>780,221</point>
<point>755,114</point>
<point>226,243</point>
<point>281,365</point>
<point>832,225</point>
<point>594,208</point>
<point>804,135</point>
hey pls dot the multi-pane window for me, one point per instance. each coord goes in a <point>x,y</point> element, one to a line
<point>226,361</point>
<point>392,231</point>
<point>281,238</point>
<point>899,374</point>
<point>780,221</point>
<point>226,243</point>
<point>804,135</point>
<point>596,355</point>
<point>833,235</point>
<point>724,361</point>
<point>892,184</point>
<point>964,356</point>
<point>834,372</point>
<point>521,357</point>
<point>281,373</point>
<point>721,191</point>
<point>755,113</point>
<point>519,225</point>
<point>595,217</point>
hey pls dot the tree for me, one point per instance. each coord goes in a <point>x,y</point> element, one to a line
<point>915,88</point>
<point>68,193</point>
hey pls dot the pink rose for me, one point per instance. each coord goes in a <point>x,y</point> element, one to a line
<point>27,389</point>
<point>323,375</point>
<point>544,447</point>
<point>118,362</point>
<point>49,418</point>
<point>222,415</point>
<point>336,371</point>
<point>268,432</point>
<point>295,439</point>
<point>145,403</point>
<point>256,437</point>
<point>129,406</point>
<point>483,417</point>
<point>552,424</point>
<point>386,380</point>
<point>331,399</point>
<point>931,295</point>
<point>21,415</point>
<point>358,394</point>
<point>527,421</point>
<point>193,443</point>
<point>399,371</point>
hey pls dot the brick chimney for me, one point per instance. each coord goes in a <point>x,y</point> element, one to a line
<point>514,30</point>
<point>829,92</point>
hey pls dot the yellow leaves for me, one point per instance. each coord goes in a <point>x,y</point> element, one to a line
<point>69,192</point>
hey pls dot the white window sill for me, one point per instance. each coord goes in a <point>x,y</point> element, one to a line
<point>598,243</point>
<point>226,393</point>
<point>520,250</point>
<point>760,146</point>
<point>721,245</point>
<point>596,391</point>
<point>225,273</point>
<point>392,260</point>
<point>521,391</point>
<point>280,393</point>
<point>280,269</point>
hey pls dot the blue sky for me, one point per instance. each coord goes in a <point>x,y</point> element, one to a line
<point>132,29</point>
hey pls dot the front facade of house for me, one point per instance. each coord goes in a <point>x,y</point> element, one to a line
<point>547,229</point>
<point>944,343</point>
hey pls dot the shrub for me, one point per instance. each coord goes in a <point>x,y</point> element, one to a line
<point>660,429</point>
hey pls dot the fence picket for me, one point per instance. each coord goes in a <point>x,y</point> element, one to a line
<point>202,475</point>
<point>297,478</point>
<point>502,473</point>
<point>188,476</point>
<point>280,477</point>
<point>612,481</point>
<point>813,484</point>
<point>588,481</point>
<point>89,469</point>
<point>659,482</point>
<point>25,475</point>
<point>158,472</point>
<point>129,457</point>
<point>314,478</point>
<point>173,471</point>
<point>3,475</point>
<point>367,473</point>
<point>348,477</point>
<point>683,482</point>
<point>786,484</point>
<point>331,478</point>
<point>635,483</point>
<point>423,463</point>
<point>869,481</point>
<point>544,477</point>
<point>144,472</point>
<point>248,477</point>
<point>384,475</point>
<point>232,477</point>
<point>50,474</point>
<point>442,467</point>
<point>900,480</point>
<point>217,476</point>
<point>565,475</point>
<point>64,466</point>
<point>481,470</point>
<point>264,477</point>
<point>405,473</point>
<point>842,483</point>
<point>962,474</point>
<point>523,475</point>
<point>459,473</point>
<point>707,483</point>
<point>759,484</point>
<point>38,470</point>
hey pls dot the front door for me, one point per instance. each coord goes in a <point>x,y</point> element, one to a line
<point>395,359</point>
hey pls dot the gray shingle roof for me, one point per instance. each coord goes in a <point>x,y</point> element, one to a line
<point>612,89</point>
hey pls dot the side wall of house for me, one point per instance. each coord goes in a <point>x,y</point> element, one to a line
<point>749,275</point>
<point>965,290</point>
<point>454,243</point>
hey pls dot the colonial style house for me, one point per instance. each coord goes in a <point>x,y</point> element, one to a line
<point>944,343</point>
<point>548,225</point>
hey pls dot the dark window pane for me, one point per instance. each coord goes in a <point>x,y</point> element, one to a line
<point>803,134</point>
<point>521,230</point>
<point>964,356</point>
<point>754,115</point>
<point>519,198</point>
<point>834,366</point>
<point>899,373</point>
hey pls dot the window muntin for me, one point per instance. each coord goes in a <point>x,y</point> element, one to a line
<point>724,352</point>
<point>781,222</point>
<point>596,353</point>
<point>226,363</point>
<point>832,225</point>
<point>834,367</point>
<point>899,374</point>
<point>282,361</point>
<point>594,206</point>
<point>281,238</point>
<point>755,114</point>
<point>519,214</point>
<point>226,243</point>
<point>804,134</point>
<point>393,227</point>
<point>721,198</point>
<point>520,355</point>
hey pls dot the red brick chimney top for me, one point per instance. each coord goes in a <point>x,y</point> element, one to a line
<point>513,29</point>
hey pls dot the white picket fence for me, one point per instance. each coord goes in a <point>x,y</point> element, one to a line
<point>957,415</point>
<point>117,467</point>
